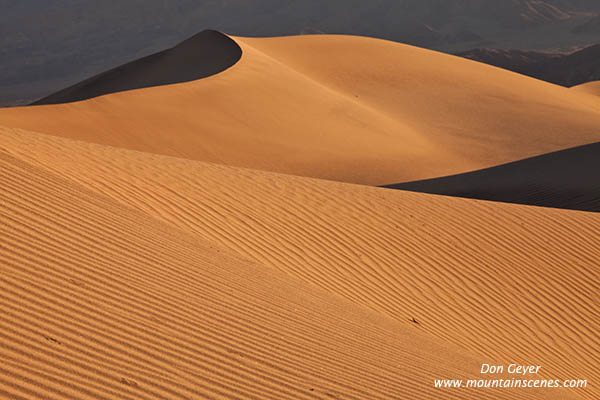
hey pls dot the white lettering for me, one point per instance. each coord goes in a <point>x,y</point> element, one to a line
<point>523,369</point>
<point>491,369</point>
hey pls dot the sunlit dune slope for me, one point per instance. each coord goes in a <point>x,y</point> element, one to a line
<point>100,300</point>
<point>337,107</point>
<point>589,88</point>
<point>565,179</point>
<point>484,114</point>
<point>503,282</point>
<point>200,56</point>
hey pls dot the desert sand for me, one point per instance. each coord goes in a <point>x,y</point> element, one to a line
<point>158,244</point>
<point>590,88</point>
<point>100,224</point>
<point>343,108</point>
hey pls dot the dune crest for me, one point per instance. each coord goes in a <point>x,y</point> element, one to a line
<point>342,108</point>
<point>202,55</point>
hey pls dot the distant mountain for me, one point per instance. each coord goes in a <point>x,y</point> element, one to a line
<point>591,26</point>
<point>48,45</point>
<point>562,69</point>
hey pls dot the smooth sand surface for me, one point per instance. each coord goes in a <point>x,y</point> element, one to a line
<point>133,275</point>
<point>566,179</point>
<point>589,88</point>
<point>336,107</point>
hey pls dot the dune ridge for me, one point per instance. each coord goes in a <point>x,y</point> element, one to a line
<point>335,103</point>
<point>565,179</point>
<point>202,55</point>
<point>531,296</point>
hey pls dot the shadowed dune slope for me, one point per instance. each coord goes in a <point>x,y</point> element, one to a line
<point>100,301</point>
<point>336,107</point>
<point>565,179</point>
<point>200,56</point>
<point>501,281</point>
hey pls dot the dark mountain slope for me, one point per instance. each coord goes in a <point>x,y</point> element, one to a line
<point>562,69</point>
<point>592,26</point>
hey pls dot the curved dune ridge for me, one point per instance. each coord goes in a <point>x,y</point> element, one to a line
<point>299,283</point>
<point>343,108</point>
<point>564,179</point>
<point>200,56</point>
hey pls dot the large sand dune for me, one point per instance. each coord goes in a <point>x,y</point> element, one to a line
<point>564,179</point>
<point>590,88</point>
<point>337,107</point>
<point>307,281</point>
<point>102,302</point>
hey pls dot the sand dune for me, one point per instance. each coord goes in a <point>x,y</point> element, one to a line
<point>200,56</point>
<point>66,43</point>
<point>102,301</point>
<point>497,281</point>
<point>565,179</point>
<point>336,107</point>
<point>136,264</point>
<point>590,88</point>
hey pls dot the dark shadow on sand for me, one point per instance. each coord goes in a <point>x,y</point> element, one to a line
<point>200,56</point>
<point>568,179</point>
